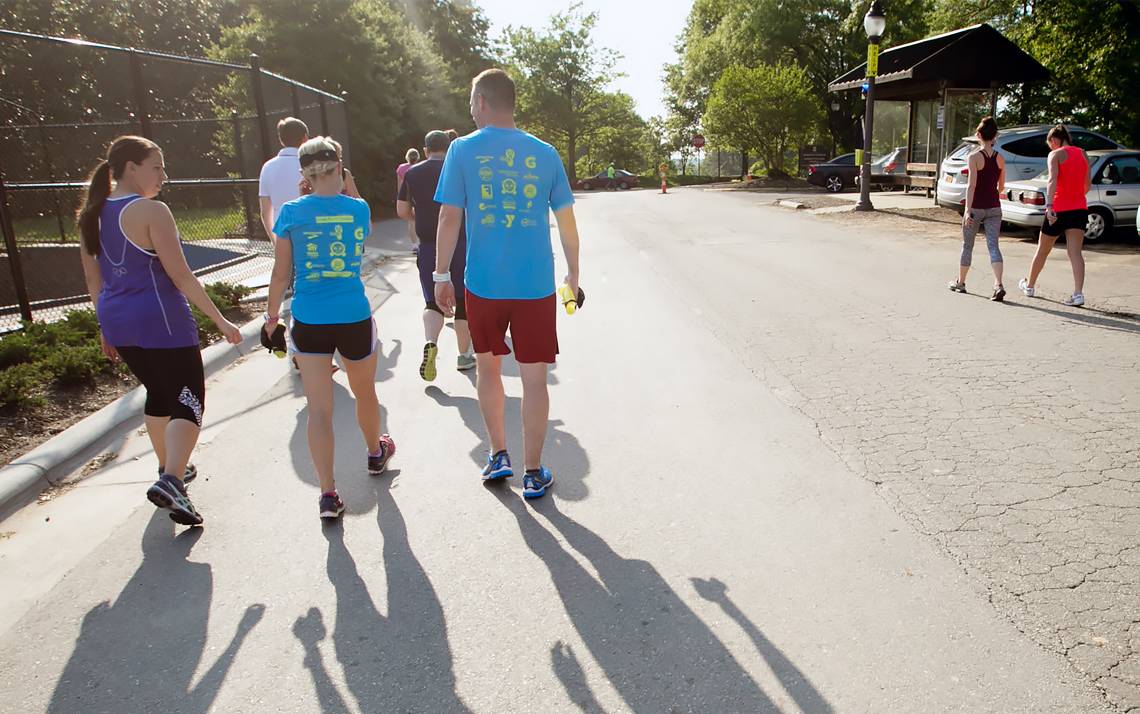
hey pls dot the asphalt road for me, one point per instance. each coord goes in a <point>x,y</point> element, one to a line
<point>794,474</point>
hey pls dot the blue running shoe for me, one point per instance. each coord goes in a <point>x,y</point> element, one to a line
<point>536,481</point>
<point>498,466</point>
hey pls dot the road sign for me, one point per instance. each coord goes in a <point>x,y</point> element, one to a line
<point>872,60</point>
<point>811,155</point>
<point>698,141</point>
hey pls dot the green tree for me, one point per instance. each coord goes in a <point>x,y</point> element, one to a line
<point>622,141</point>
<point>561,77</point>
<point>768,109</point>
<point>1091,47</point>
<point>458,31</point>
<point>397,86</point>
<point>823,37</point>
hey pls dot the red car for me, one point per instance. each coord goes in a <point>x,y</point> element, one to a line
<point>623,180</point>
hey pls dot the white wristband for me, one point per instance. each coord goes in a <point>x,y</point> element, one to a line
<point>441,277</point>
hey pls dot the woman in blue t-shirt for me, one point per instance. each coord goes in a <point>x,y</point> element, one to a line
<point>321,236</point>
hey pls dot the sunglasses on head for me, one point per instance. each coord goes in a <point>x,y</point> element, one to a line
<point>322,155</point>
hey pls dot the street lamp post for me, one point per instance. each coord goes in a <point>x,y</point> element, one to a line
<point>874,22</point>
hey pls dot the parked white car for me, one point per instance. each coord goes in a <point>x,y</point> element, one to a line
<point>1113,197</point>
<point>1024,150</point>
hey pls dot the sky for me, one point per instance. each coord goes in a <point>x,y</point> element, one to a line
<point>644,31</point>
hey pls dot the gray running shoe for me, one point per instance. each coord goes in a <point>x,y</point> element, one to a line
<point>465,362</point>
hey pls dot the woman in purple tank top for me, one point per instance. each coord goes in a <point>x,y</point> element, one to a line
<point>139,282</point>
<point>983,207</point>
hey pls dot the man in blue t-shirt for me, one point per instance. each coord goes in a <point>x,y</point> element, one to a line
<point>507,182</point>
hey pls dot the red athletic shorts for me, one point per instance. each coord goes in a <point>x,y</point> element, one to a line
<point>534,332</point>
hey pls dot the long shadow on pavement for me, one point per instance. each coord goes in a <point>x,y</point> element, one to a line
<point>139,654</point>
<point>653,648</point>
<point>794,682</point>
<point>1086,316</point>
<point>401,661</point>
<point>562,452</point>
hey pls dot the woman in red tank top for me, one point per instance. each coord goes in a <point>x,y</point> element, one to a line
<point>1066,212</point>
<point>983,207</point>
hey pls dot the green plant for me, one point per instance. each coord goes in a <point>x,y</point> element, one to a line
<point>21,386</point>
<point>228,296</point>
<point>75,366</point>
<point>16,349</point>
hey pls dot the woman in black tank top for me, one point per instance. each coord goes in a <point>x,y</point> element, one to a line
<point>983,207</point>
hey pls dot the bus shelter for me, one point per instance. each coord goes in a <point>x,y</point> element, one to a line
<point>948,83</point>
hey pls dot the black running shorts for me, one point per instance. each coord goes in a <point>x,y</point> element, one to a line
<point>174,380</point>
<point>1066,220</point>
<point>353,340</point>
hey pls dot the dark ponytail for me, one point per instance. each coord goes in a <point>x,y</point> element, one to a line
<point>98,188</point>
<point>126,148</point>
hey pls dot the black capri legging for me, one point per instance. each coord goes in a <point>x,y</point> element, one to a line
<point>174,379</point>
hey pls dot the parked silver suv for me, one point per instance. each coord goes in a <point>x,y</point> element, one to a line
<point>1024,150</point>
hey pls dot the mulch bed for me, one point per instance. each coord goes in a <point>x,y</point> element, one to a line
<point>23,430</point>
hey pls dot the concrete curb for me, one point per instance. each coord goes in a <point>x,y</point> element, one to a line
<point>33,469</point>
<point>786,203</point>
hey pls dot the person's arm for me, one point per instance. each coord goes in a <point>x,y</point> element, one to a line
<point>278,281</point>
<point>404,210</point>
<point>266,214</point>
<point>164,237</point>
<point>1051,187</point>
<point>451,194</point>
<point>403,203</point>
<point>350,185</point>
<point>562,203</point>
<point>94,280</point>
<point>568,234</point>
<point>971,185</point>
<point>1001,175</point>
<point>446,238</point>
<point>1088,174</point>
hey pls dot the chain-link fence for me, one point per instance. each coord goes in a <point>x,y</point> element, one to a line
<point>61,104</point>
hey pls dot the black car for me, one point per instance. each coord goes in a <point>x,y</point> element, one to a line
<point>834,175</point>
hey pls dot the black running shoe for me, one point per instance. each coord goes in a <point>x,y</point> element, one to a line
<point>189,475</point>
<point>999,294</point>
<point>170,493</point>
<point>377,463</point>
<point>331,506</point>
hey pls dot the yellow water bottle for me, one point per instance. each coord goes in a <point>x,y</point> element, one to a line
<point>570,301</point>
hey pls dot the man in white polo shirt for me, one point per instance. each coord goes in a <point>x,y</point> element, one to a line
<point>280,180</point>
<point>281,176</point>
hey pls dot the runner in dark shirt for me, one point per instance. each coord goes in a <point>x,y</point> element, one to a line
<point>416,201</point>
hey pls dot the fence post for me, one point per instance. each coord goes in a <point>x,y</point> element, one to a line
<point>141,106</point>
<point>51,177</point>
<point>296,100</point>
<point>14,255</point>
<point>240,154</point>
<point>259,102</point>
<point>324,115</point>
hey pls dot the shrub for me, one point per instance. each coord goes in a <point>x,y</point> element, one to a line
<point>22,386</point>
<point>16,349</point>
<point>228,296</point>
<point>76,366</point>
